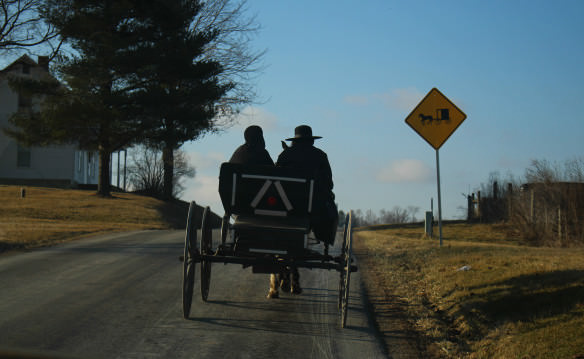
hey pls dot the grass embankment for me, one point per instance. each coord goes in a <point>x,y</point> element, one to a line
<point>482,295</point>
<point>46,216</point>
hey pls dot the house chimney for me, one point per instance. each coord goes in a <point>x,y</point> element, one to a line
<point>43,62</point>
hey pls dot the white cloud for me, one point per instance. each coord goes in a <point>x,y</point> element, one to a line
<point>398,99</point>
<point>405,170</point>
<point>402,99</point>
<point>204,191</point>
<point>203,161</point>
<point>257,116</point>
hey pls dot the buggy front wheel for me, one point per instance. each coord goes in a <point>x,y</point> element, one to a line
<point>342,273</point>
<point>345,270</point>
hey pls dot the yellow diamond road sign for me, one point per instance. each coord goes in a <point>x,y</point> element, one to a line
<point>435,118</point>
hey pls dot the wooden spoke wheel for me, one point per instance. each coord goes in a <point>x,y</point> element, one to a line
<point>346,271</point>
<point>342,272</point>
<point>206,250</point>
<point>191,255</point>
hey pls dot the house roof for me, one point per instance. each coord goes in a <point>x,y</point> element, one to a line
<point>24,59</point>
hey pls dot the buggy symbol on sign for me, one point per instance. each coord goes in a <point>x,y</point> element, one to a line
<point>435,118</point>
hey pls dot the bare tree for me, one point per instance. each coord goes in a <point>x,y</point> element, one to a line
<point>146,171</point>
<point>233,50</point>
<point>370,218</point>
<point>413,211</point>
<point>358,218</point>
<point>393,216</point>
<point>547,207</point>
<point>543,171</point>
<point>22,25</point>
<point>574,170</point>
<point>400,215</point>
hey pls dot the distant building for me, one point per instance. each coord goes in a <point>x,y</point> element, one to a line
<point>55,165</point>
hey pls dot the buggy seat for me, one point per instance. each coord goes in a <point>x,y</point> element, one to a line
<point>272,207</point>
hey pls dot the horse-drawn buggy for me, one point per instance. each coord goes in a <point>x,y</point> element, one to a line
<point>269,212</point>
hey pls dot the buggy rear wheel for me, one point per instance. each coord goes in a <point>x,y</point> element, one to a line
<point>191,254</point>
<point>346,270</point>
<point>342,273</point>
<point>206,250</point>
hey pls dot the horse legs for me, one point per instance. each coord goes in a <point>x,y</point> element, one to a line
<point>295,281</point>
<point>273,293</point>
<point>284,279</point>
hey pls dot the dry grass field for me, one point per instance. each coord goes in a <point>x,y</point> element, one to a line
<point>46,216</point>
<point>484,294</point>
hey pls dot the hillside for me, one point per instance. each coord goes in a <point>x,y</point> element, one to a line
<point>46,216</point>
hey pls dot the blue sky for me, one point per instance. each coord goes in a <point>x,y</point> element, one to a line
<point>354,71</point>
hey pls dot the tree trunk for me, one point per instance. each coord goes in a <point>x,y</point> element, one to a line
<point>103,185</point>
<point>168,160</point>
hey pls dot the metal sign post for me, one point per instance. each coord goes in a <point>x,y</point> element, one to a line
<point>439,197</point>
<point>435,119</point>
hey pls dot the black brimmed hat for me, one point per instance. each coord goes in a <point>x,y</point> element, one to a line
<point>303,132</point>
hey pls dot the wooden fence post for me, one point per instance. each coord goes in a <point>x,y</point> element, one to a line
<point>479,208</point>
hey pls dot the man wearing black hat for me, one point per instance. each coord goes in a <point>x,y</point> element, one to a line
<point>303,154</point>
<point>253,151</point>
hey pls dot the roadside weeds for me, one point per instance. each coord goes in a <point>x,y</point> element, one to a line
<point>475,297</point>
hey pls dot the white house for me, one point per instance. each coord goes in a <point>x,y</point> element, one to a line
<point>54,165</point>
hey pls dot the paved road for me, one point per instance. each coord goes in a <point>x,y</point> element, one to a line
<point>119,296</point>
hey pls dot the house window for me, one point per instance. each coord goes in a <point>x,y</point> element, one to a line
<point>22,157</point>
<point>25,68</point>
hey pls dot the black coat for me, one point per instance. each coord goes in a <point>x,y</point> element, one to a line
<point>251,155</point>
<point>306,156</point>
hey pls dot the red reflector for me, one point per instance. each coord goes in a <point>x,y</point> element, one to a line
<point>272,200</point>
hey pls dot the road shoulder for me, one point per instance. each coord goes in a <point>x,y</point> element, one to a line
<point>389,314</point>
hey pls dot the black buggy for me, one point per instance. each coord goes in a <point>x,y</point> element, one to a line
<point>271,209</point>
